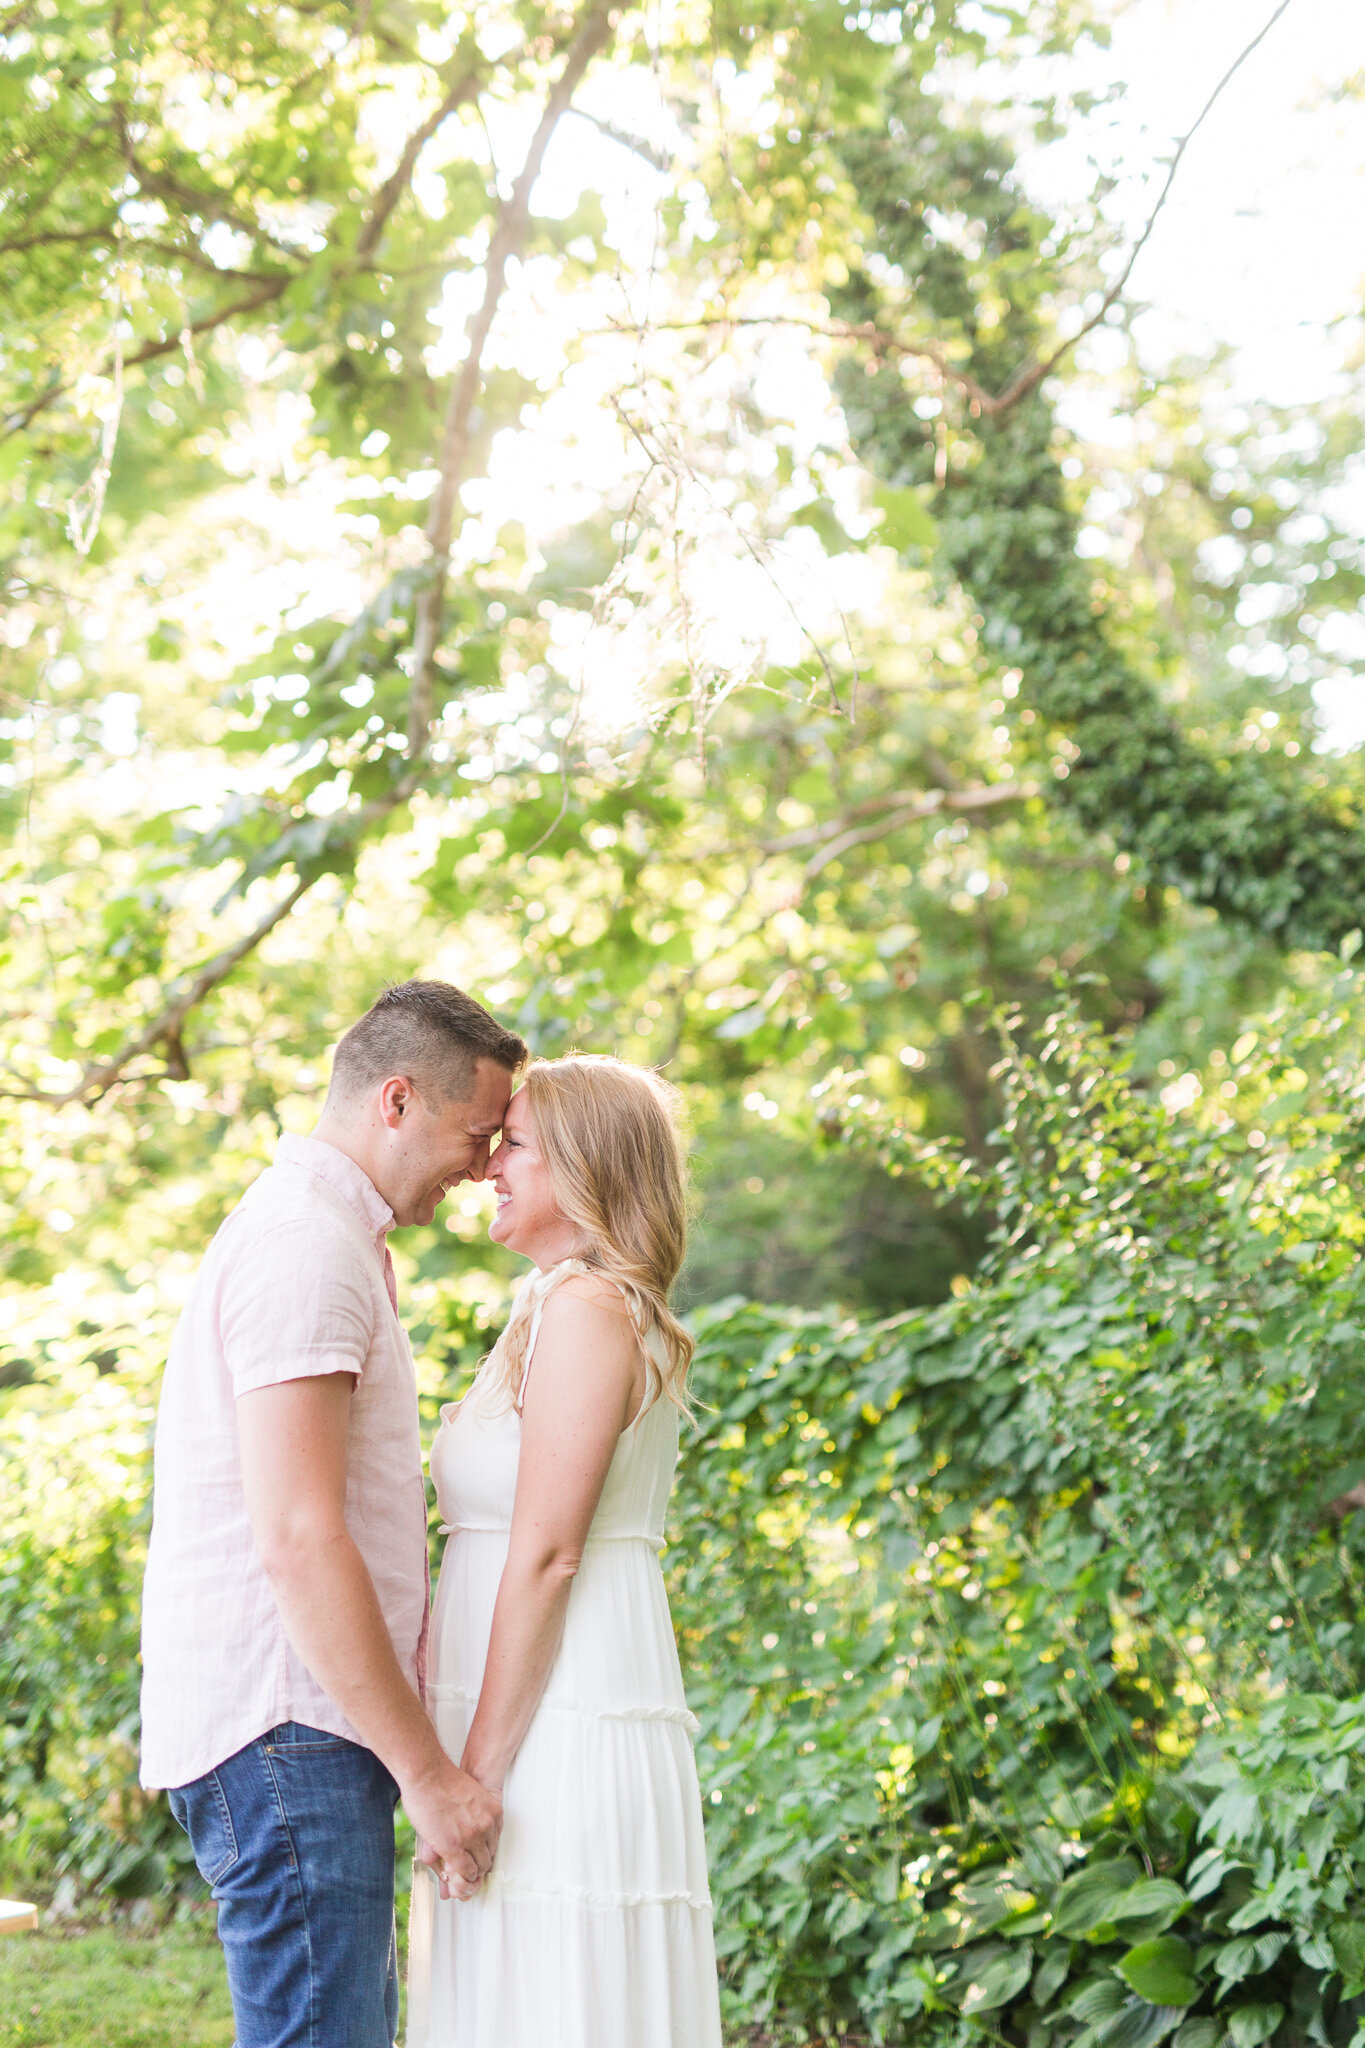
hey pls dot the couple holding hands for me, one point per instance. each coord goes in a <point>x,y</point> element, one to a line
<point>297,1679</point>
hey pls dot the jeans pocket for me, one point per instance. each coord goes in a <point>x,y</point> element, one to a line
<point>203,1812</point>
<point>296,1738</point>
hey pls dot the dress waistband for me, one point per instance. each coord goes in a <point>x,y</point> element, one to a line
<point>505,1529</point>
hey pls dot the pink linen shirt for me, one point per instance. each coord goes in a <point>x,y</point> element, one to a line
<point>297,1281</point>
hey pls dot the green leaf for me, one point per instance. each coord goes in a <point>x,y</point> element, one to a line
<point>1156,1901</point>
<point>1162,1971</point>
<point>1249,2025</point>
<point>906,521</point>
<point>823,521</point>
<point>1200,2033</point>
<point>1098,1999</point>
<point>992,1975</point>
<point>1087,1900</point>
<point>1142,2026</point>
<point>1348,1947</point>
<point>1049,1977</point>
<point>1236,1960</point>
<point>138,1874</point>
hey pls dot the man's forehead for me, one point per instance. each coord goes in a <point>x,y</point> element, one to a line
<point>488,1098</point>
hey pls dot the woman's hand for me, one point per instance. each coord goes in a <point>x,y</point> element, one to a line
<point>449,1881</point>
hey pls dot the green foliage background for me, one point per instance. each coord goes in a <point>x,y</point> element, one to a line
<point>998,923</point>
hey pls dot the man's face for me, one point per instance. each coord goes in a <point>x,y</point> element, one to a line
<point>432,1149</point>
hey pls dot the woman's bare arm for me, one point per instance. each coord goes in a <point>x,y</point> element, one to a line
<point>586,1383</point>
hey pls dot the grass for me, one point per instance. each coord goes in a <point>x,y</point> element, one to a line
<point>114,1988</point>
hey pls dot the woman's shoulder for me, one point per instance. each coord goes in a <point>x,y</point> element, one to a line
<point>579,1284</point>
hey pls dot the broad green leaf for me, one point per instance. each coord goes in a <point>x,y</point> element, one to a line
<point>992,1976</point>
<point>1249,2025</point>
<point>1142,2026</point>
<point>1161,1971</point>
<point>1101,1998</point>
<point>1200,2033</point>
<point>1087,1900</point>
<point>906,520</point>
<point>1156,1901</point>
<point>1348,1947</point>
<point>1049,1976</point>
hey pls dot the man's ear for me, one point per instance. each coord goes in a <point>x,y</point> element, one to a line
<point>396,1098</point>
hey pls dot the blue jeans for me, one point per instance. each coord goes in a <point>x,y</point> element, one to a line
<point>295,1836</point>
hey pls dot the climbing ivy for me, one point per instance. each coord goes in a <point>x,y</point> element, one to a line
<point>1257,839</point>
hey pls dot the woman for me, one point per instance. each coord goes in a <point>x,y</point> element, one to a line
<point>554,1673</point>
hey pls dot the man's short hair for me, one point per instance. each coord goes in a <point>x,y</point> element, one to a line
<point>432,1034</point>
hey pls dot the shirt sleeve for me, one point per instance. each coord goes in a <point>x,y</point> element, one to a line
<point>296,1302</point>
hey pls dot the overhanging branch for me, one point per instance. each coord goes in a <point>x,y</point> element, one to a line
<point>164,1028</point>
<point>509,236</point>
<point>1029,375</point>
<point>150,351</point>
<point>983,403</point>
<point>101,1075</point>
<point>912,809</point>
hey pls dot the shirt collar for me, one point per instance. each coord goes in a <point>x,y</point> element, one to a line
<point>354,1186</point>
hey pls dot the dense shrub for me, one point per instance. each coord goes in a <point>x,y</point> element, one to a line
<point>985,1597</point>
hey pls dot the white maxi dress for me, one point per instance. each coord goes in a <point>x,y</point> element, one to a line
<point>594,1927</point>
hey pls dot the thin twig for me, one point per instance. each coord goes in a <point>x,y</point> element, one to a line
<point>933,800</point>
<point>882,341</point>
<point>658,158</point>
<point>890,811</point>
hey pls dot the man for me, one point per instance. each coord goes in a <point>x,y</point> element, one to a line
<point>285,1609</point>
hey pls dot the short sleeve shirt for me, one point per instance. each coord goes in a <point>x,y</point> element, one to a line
<point>297,1281</point>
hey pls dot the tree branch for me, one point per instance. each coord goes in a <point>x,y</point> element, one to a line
<point>914,808</point>
<point>1029,375</point>
<point>18,421</point>
<point>509,234</point>
<point>882,341</point>
<point>101,1075</point>
<point>21,243</point>
<point>165,1027</point>
<point>638,146</point>
<point>212,205</point>
<point>396,184</point>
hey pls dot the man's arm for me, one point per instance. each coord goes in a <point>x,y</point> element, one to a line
<point>293,1448</point>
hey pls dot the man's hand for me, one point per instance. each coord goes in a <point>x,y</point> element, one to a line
<point>458,1821</point>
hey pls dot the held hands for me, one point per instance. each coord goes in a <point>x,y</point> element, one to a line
<point>458,1822</point>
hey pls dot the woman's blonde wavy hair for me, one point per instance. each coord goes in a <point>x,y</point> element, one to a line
<point>610,1135</point>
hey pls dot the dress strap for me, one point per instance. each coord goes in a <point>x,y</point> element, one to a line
<point>541,1287</point>
<point>540,1290</point>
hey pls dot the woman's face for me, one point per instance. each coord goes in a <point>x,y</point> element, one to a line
<point>529,1220</point>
